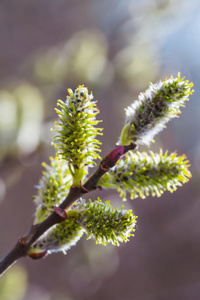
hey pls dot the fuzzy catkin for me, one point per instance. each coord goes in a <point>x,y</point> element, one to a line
<point>105,223</point>
<point>148,115</point>
<point>75,130</point>
<point>59,238</point>
<point>142,174</point>
<point>53,187</point>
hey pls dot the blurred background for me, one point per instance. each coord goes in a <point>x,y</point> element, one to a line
<point>115,48</point>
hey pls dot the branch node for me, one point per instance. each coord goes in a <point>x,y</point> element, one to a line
<point>83,189</point>
<point>22,241</point>
<point>60,212</point>
<point>113,156</point>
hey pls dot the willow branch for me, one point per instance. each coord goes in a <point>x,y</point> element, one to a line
<point>23,244</point>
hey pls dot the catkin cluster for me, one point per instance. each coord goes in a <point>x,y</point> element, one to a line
<point>138,173</point>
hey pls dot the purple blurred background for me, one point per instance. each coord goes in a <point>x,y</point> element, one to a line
<point>115,48</point>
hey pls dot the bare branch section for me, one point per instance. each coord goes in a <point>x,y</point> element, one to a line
<point>22,246</point>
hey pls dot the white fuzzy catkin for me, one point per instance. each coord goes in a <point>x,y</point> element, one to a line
<point>148,115</point>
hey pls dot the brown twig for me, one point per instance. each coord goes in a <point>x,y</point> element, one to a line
<point>24,243</point>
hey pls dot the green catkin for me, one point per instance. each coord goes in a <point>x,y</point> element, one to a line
<point>105,223</point>
<point>59,238</point>
<point>142,174</point>
<point>53,187</point>
<point>75,140</point>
